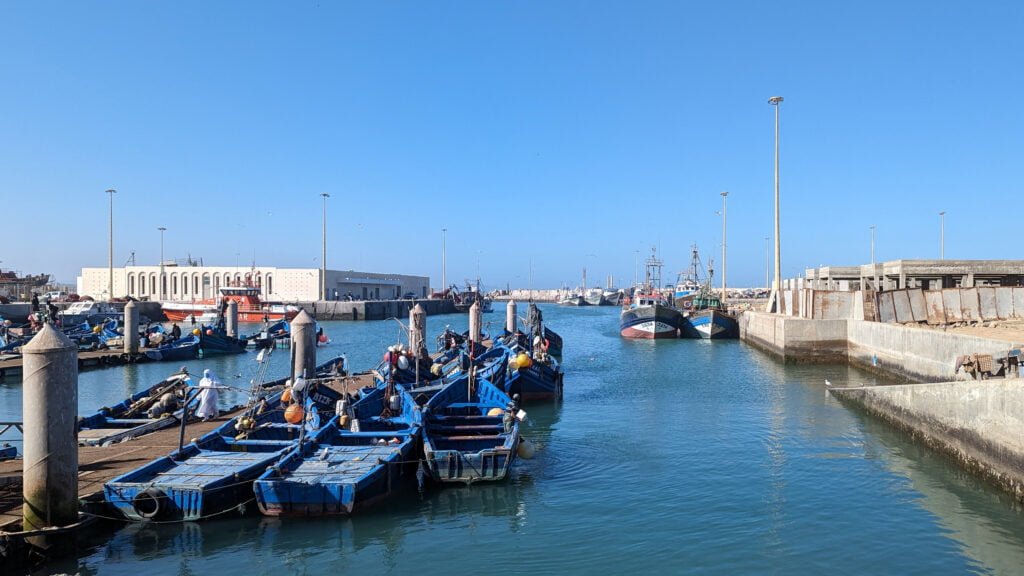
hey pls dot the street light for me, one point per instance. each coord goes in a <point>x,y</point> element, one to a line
<point>872,228</point>
<point>942,235</point>
<point>323,256</point>
<point>636,267</point>
<point>161,291</point>
<point>773,302</point>
<point>767,262</point>
<point>444,262</point>
<point>724,195</point>
<point>110,247</point>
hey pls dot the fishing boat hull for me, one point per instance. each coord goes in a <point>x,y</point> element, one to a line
<point>538,382</point>
<point>182,349</point>
<point>573,301</point>
<point>715,325</point>
<point>650,322</point>
<point>8,452</point>
<point>462,442</point>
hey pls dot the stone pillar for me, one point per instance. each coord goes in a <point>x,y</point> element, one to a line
<point>510,317</point>
<point>232,319</point>
<point>50,412</point>
<point>131,328</point>
<point>303,336</point>
<point>417,328</point>
<point>475,322</point>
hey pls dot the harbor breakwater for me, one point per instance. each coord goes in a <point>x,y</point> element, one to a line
<point>979,423</point>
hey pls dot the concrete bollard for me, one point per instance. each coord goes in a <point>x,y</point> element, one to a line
<point>131,328</point>
<point>303,335</point>
<point>232,319</point>
<point>475,321</point>
<point>50,412</point>
<point>510,317</point>
<point>417,328</point>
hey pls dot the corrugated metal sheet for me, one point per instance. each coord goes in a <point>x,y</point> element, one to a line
<point>951,305</point>
<point>936,311</point>
<point>1004,302</point>
<point>901,302</point>
<point>969,304</point>
<point>886,309</point>
<point>987,303</point>
<point>917,304</point>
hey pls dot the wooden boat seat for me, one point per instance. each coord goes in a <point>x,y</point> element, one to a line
<point>263,442</point>
<point>469,405</point>
<point>132,421</point>
<point>468,428</point>
<point>496,437</point>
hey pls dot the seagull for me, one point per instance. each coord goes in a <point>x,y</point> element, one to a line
<point>827,383</point>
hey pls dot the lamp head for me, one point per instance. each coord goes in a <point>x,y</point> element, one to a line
<point>774,100</point>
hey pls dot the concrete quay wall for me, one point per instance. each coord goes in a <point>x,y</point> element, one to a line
<point>914,354</point>
<point>978,423</point>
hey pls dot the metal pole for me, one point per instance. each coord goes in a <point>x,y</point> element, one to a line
<point>767,263</point>
<point>110,245</point>
<point>444,263</point>
<point>636,267</point>
<point>724,195</point>
<point>776,283</point>
<point>872,244</point>
<point>323,255</point>
<point>161,290</point>
<point>50,409</point>
<point>942,235</point>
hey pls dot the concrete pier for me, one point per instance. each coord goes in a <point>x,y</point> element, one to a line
<point>475,322</point>
<point>232,319</point>
<point>131,328</point>
<point>417,329</point>
<point>510,317</point>
<point>979,423</point>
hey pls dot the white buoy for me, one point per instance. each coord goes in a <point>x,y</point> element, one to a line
<point>526,449</point>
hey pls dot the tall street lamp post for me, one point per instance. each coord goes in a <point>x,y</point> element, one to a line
<point>773,303</point>
<point>162,289</point>
<point>110,248</point>
<point>872,228</point>
<point>767,263</point>
<point>724,195</point>
<point>323,252</point>
<point>942,235</point>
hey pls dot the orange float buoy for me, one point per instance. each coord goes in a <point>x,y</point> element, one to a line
<point>286,396</point>
<point>294,414</point>
<point>209,331</point>
<point>323,338</point>
<point>495,412</point>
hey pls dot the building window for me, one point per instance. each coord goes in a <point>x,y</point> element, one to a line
<point>174,285</point>
<point>142,285</point>
<point>131,284</point>
<point>270,285</point>
<point>195,285</point>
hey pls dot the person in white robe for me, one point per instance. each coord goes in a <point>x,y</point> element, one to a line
<point>208,396</point>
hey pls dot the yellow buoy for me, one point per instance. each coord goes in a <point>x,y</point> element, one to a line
<point>294,414</point>
<point>343,420</point>
<point>523,360</point>
<point>495,412</point>
<point>195,331</point>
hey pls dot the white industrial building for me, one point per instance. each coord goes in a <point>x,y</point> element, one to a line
<point>183,283</point>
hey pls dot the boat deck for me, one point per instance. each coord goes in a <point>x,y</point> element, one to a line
<point>342,464</point>
<point>98,465</point>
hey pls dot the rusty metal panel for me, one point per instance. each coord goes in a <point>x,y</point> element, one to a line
<point>951,304</point>
<point>886,309</point>
<point>987,303</point>
<point>917,304</point>
<point>935,310</point>
<point>834,305</point>
<point>969,304</point>
<point>1018,303</point>
<point>1004,302</point>
<point>901,302</point>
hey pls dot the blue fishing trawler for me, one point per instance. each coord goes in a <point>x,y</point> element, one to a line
<point>470,432</point>
<point>186,348</point>
<point>359,458</point>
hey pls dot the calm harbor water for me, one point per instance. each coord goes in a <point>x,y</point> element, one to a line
<point>663,457</point>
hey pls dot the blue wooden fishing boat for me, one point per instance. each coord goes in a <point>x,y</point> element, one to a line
<point>214,474</point>
<point>270,335</point>
<point>357,459</point>
<point>470,432</point>
<point>8,452</point>
<point>154,408</point>
<point>215,340</point>
<point>535,376</point>
<point>185,348</point>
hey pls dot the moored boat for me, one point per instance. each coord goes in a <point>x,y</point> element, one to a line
<point>648,314</point>
<point>357,459</point>
<point>152,409</point>
<point>185,348</point>
<point>470,432</point>
<point>250,307</point>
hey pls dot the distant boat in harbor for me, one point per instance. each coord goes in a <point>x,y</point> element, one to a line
<point>706,315</point>
<point>595,297</point>
<point>250,308</point>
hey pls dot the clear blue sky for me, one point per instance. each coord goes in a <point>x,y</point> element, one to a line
<point>572,133</point>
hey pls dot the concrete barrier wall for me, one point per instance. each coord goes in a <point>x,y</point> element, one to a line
<point>795,339</point>
<point>913,353</point>
<point>980,423</point>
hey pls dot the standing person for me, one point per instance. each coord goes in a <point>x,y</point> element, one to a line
<point>208,396</point>
<point>35,302</point>
<point>51,312</point>
<point>175,332</point>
